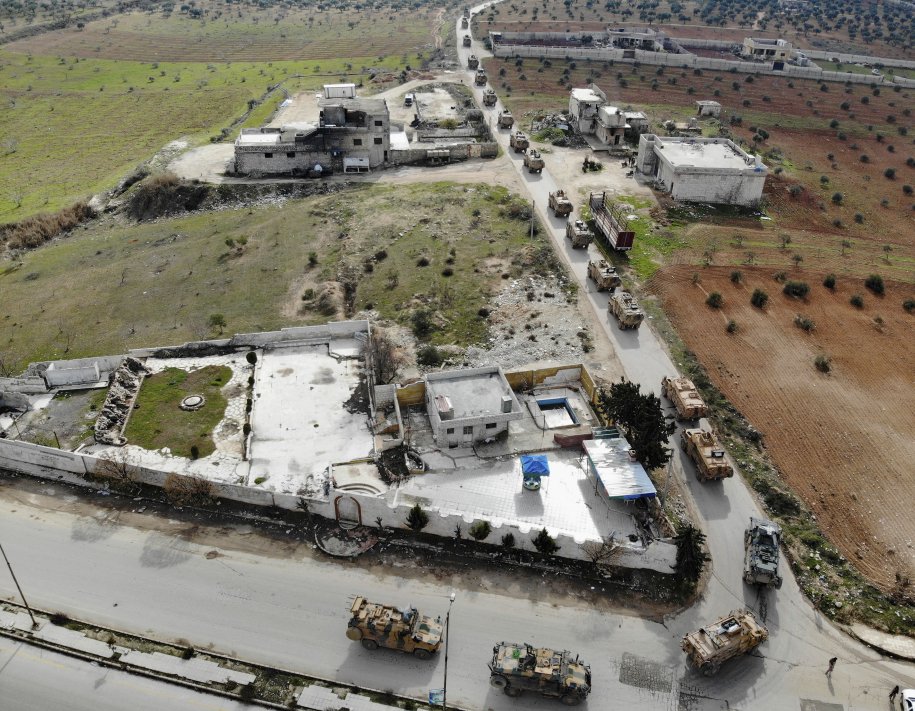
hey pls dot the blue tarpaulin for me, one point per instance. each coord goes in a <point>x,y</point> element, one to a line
<point>535,464</point>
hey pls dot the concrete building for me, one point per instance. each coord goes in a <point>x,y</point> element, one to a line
<point>352,136</point>
<point>469,406</point>
<point>636,123</point>
<point>611,125</point>
<point>583,107</point>
<point>764,49</point>
<point>637,38</point>
<point>702,169</point>
<point>708,108</point>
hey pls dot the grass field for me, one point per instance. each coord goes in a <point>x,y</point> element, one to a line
<point>112,286</point>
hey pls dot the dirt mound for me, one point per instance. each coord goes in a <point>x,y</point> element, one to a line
<point>164,195</point>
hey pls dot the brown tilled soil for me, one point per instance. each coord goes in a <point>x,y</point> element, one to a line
<point>843,441</point>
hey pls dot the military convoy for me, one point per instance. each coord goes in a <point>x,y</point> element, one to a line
<point>473,62</point>
<point>560,204</point>
<point>489,98</point>
<point>466,40</point>
<point>480,77</point>
<point>604,275</point>
<point>727,637</point>
<point>760,563</point>
<point>516,668</point>
<point>706,451</point>
<point>577,231</point>
<point>506,120</point>
<point>532,161</point>
<point>686,399</point>
<point>407,631</point>
<point>626,309</point>
<point>518,141</point>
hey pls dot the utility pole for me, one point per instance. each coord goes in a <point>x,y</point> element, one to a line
<point>29,609</point>
<point>447,637</point>
<point>533,217</point>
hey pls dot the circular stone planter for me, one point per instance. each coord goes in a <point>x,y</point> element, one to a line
<point>192,402</point>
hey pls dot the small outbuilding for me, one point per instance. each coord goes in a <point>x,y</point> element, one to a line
<point>708,108</point>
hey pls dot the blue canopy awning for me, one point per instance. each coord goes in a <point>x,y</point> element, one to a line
<point>535,464</point>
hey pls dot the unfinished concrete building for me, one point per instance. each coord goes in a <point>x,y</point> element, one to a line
<point>583,107</point>
<point>642,38</point>
<point>702,169</point>
<point>708,108</point>
<point>353,135</point>
<point>765,50</point>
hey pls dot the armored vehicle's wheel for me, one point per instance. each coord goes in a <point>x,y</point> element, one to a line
<point>421,653</point>
<point>513,691</point>
<point>354,633</point>
<point>570,699</point>
<point>370,644</point>
<point>709,668</point>
<point>747,579</point>
<point>778,582</point>
<point>498,681</point>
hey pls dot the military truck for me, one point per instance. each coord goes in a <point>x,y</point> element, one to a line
<point>519,142</point>
<point>706,451</point>
<point>686,399</point>
<point>480,78</point>
<point>377,625</point>
<point>506,120</point>
<point>532,161</point>
<point>516,668</point>
<point>604,275</point>
<point>489,98</point>
<point>473,62</point>
<point>578,232</point>
<point>560,204</point>
<point>727,637</point>
<point>626,309</point>
<point>760,561</point>
<point>610,219</point>
<point>467,40</point>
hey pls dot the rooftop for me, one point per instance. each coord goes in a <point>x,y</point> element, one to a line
<point>472,393</point>
<point>586,96</point>
<point>356,104</point>
<point>713,153</point>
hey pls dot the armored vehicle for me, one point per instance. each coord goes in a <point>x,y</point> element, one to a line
<point>519,142</point>
<point>473,62</point>
<point>506,120</point>
<point>464,23</point>
<point>626,309</point>
<point>706,451</point>
<point>727,637</point>
<point>532,161</point>
<point>466,40</point>
<point>516,668</point>
<point>604,275</point>
<point>686,399</point>
<point>480,78</point>
<point>560,204</point>
<point>760,562</point>
<point>489,98</point>
<point>578,232</point>
<point>377,625</point>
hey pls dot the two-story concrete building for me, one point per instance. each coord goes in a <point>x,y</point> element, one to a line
<point>764,49</point>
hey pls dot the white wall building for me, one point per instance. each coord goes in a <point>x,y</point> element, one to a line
<point>702,169</point>
<point>764,49</point>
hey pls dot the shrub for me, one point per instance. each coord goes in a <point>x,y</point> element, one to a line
<point>830,281</point>
<point>544,542</point>
<point>780,277</point>
<point>429,356</point>
<point>759,299</point>
<point>907,189</point>
<point>35,231</point>
<point>857,301</point>
<point>312,259</point>
<point>864,158</point>
<point>822,364</point>
<point>796,289</point>
<point>859,218</point>
<point>480,530</point>
<point>715,300</point>
<point>736,276</point>
<point>909,305</point>
<point>417,519</point>
<point>251,357</point>
<point>837,198</point>
<point>447,272</point>
<point>422,323</point>
<point>732,326</point>
<point>508,541</point>
<point>422,262</point>
<point>875,283</point>
<point>889,173</point>
<point>804,323</point>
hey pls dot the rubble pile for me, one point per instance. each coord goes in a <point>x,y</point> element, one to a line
<point>122,392</point>
<point>556,129</point>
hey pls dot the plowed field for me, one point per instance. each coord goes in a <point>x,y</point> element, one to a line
<point>843,441</point>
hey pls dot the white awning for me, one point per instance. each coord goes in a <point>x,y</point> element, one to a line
<point>619,476</point>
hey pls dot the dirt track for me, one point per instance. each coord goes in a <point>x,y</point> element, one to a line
<point>842,441</point>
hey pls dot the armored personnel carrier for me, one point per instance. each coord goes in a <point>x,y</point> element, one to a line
<point>516,668</point>
<point>519,142</point>
<point>533,161</point>
<point>466,41</point>
<point>506,120</point>
<point>577,231</point>
<point>626,309</point>
<point>706,451</point>
<point>560,203</point>
<point>760,562</point>
<point>377,625</point>
<point>727,637</point>
<point>473,62</point>
<point>686,399</point>
<point>480,78</point>
<point>489,98</point>
<point>603,274</point>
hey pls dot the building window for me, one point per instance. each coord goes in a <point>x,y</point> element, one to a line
<point>357,141</point>
<point>377,141</point>
<point>291,154</point>
<point>379,123</point>
<point>491,425</point>
<point>450,430</point>
<point>468,430</point>
<point>268,155</point>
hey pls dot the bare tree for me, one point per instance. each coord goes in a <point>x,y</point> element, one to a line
<point>117,469</point>
<point>382,356</point>
<point>603,553</point>
<point>184,490</point>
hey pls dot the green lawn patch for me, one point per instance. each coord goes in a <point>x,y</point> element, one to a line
<point>158,421</point>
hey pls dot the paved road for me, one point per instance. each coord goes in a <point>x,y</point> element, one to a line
<point>35,679</point>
